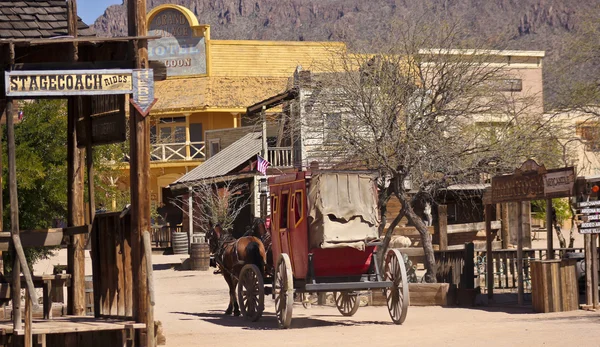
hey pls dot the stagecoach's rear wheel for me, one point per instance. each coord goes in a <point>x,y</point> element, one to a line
<point>251,292</point>
<point>347,302</point>
<point>283,291</point>
<point>397,296</point>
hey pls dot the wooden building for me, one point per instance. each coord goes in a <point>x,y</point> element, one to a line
<point>47,52</point>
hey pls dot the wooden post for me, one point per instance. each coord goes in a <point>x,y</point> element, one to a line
<point>75,184</point>
<point>488,254</point>
<point>504,231</point>
<point>28,321</point>
<point>14,213</point>
<point>139,127</point>
<point>191,218</point>
<point>442,227</point>
<point>594,251</point>
<point>520,254</point>
<point>588,270</point>
<point>549,230</point>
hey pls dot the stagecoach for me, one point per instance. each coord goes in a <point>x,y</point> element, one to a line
<point>324,237</point>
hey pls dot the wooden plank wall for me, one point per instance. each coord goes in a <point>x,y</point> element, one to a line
<point>111,259</point>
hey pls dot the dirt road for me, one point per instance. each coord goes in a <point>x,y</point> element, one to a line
<point>190,305</point>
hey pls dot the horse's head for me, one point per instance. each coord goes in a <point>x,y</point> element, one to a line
<point>260,227</point>
<point>213,236</point>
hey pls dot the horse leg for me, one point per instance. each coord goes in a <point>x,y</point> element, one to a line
<point>232,294</point>
<point>228,279</point>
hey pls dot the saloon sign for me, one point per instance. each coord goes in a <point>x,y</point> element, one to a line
<point>68,82</point>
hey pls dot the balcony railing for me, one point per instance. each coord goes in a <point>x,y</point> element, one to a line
<point>280,156</point>
<point>177,151</point>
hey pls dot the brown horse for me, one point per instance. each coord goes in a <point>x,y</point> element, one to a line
<point>231,255</point>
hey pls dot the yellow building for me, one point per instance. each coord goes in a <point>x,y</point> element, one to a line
<point>208,85</point>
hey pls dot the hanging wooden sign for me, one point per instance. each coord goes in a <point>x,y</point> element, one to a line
<point>67,82</point>
<point>143,91</point>
<point>108,120</point>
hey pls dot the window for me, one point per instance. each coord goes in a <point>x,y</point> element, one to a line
<point>332,123</point>
<point>171,130</point>
<point>283,215</point>
<point>589,132</point>
<point>214,146</point>
<point>297,207</point>
<point>273,206</point>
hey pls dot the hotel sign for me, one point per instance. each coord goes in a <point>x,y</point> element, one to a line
<point>68,82</point>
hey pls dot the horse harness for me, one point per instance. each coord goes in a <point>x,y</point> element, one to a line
<point>225,242</point>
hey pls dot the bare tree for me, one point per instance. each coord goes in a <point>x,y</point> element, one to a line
<point>216,203</point>
<point>424,118</point>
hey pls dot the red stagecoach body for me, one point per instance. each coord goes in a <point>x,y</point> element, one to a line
<point>330,215</point>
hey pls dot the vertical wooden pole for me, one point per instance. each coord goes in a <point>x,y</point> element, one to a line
<point>442,226</point>
<point>191,218</point>
<point>75,184</point>
<point>520,254</point>
<point>594,251</point>
<point>549,230</point>
<point>14,212</point>
<point>588,270</point>
<point>143,312</point>
<point>28,321</point>
<point>488,254</point>
<point>505,235</point>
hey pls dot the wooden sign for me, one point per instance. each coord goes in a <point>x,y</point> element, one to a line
<point>588,203</point>
<point>108,121</point>
<point>67,82</point>
<point>143,91</point>
<point>589,231</point>
<point>182,46</point>
<point>532,182</point>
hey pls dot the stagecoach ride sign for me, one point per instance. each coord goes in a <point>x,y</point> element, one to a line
<point>68,82</point>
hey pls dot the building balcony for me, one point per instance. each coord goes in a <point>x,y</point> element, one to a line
<point>183,151</point>
<point>280,157</point>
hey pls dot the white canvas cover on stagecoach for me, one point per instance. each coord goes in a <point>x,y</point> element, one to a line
<point>342,210</point>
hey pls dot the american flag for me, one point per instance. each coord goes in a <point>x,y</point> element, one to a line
<point>262,165</point>
<point>20,115</point>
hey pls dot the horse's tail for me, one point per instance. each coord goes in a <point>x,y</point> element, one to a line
<point>255,256</point>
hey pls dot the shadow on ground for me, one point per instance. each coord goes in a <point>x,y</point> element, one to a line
<point>268,321</point>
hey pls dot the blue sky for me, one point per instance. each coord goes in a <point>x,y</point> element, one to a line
<point>89,10</point>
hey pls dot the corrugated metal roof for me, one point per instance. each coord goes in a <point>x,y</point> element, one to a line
<point>226,160</point>
<point>220,92</point>
<point>36,19</point>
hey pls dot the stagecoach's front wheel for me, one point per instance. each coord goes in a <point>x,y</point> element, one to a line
<point>397,296</point>
<point>347,303</point>
<point>251,292</point>
<point>283,291</point>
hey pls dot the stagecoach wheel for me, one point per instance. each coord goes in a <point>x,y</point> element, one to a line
<point>283,290</point>
<point>347,303</point>
<point>397,296</point>
<point>251,292</point>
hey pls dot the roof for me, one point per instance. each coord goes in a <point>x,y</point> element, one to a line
<point>36,19</point>
<point>226,160</point>
<point>215,92</point>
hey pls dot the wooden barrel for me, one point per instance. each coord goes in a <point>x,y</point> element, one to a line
<point>200,257</point>
<point>179,242</point>
<point>89,296</point>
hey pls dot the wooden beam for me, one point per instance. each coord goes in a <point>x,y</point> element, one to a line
<point>488,254</point>
<point>549,231</point>
<point>75,253</point>
<point>520,288</point>
<point>140,181</point>
<point>594,251</point>
<point>28,321</point>
<point>472,227</point>
<point>442,226</point>
<point>83,40</point>
<point>148,250</point>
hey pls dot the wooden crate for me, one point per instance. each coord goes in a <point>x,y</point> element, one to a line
<point>554,285</point>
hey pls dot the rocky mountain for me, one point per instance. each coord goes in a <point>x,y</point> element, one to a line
<point>521,24</point>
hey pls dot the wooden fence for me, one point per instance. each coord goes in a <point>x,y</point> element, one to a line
<point>161,235</point>
<point>505,266</point>
<point>456,267</point>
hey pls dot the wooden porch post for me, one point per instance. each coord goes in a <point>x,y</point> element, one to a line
<point>75,184</point>
<point>489,258</point>
<point>520,254</point>
<point>190,218</point>
<point>139,126</point>
<point>549,230</point>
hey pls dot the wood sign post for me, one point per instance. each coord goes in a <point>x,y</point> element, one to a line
<point>529,182</point>
<point>589,219</point>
